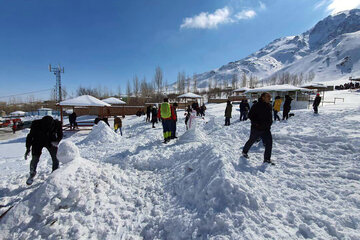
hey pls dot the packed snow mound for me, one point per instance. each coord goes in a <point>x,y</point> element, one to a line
<point>67,151</point>
<point>102,133</point>
<point>193,135</point>
<point>79,200</point>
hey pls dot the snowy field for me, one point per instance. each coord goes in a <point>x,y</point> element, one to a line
<point>197,187</point>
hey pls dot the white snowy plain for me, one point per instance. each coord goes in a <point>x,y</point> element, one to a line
<point>197,187</point>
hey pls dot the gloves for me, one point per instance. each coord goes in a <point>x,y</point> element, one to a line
<point>26,153</point>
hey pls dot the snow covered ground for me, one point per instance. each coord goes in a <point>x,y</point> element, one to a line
<point>197,187</point>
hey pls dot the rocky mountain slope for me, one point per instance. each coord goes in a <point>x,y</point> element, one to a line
<point>330,50</point>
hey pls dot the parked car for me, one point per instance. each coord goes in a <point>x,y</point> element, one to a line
<point>5,123</point>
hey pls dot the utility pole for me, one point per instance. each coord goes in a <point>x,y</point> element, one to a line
<point>57,72</point>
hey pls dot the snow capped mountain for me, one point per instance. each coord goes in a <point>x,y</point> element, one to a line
<point>330,49</point>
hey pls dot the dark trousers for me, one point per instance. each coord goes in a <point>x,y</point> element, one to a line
<point>242,116</point>
<point>227,121</point>
<point>266,137</point>
<point>276,116</point>
<point>35,160</point>
<point>166,123</point>
<point>315,109</point>
<point>286,114</point>
<point>173,128</point>
<point>73,124</point>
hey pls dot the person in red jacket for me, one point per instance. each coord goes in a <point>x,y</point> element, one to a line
<point>173,120</point>
<point>166,114</point>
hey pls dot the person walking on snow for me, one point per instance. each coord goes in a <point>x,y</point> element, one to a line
<point>173,121</point>
<point>261,120</point>
<point>47,133</point>
<point>117,124</point>
<point>148,111</point>
<point>154,118</point>
<point>286,107</point>
<point>276,107</point>
<point>165,114</point>
<point>244,109</point>
<point>72,121</point>
<point>316,103</point>
<point>228,111</point>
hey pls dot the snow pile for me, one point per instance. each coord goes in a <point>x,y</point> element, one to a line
<point>198,186</point>
<point>67,151</point>
<point>101,133</point>
<point>79,200</point>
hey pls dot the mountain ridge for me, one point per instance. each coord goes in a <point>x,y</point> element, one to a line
<point>328,49</point>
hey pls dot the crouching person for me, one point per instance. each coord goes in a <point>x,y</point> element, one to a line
<point>47,133</point>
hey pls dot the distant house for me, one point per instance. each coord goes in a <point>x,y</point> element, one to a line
<point>17,114</point>
<point>44,111</point>
<point>300,96</point>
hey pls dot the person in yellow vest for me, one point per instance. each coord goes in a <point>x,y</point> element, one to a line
<point>166,115</point>
<point>276,107</point>
<point>117,124</point>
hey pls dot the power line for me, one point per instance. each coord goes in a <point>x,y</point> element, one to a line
<point>14,95</point>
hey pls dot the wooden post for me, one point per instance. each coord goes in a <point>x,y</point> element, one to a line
<point>61,116</point>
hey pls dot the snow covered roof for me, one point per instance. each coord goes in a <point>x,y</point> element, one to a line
<point>84,101</point>
<point>241,89</point>
<point>278,88</point>
<point>189,95</point>
<point>112,100</point>
<point>44,109</point>
<point>314,85</point>
<point>17,113</point>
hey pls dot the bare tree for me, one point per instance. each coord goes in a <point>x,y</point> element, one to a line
<point>195,83</point>
<point>301,78</point>
<point>158,79</point>
<point>234,81</point>
<point>128,90</point>
<point>273,80</point>
<point>136,86</point>
<point>144,91</point>
<point>225,83</point>
<point>243,80</point>
<point>188,84</point>
<point>311,76</point>
<point>166,86</point>
<point>295,80</point>
<point>119,91</point>
<point>253,81</point>
<point>181,82</point>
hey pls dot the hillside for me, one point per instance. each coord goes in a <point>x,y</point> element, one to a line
<point>330,50</point>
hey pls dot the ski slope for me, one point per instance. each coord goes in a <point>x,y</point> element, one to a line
<point>197,187</point>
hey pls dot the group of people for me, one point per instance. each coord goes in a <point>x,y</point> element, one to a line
<point>47,132</point>
<point>200,110</point>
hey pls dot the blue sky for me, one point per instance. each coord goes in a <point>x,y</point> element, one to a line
<point>107,42</point>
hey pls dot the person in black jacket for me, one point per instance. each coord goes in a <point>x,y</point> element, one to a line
<point>244,109</point>
<point>148,112</point>
<point>72,121</point>
<point>228,111</point>
<point>286,107</point>
<point>47,133</point>
<point>316,103</point>
<point>261,120</point>
<point>154,118</point>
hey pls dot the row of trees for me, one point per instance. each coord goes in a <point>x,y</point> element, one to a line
<point>184,83</point>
